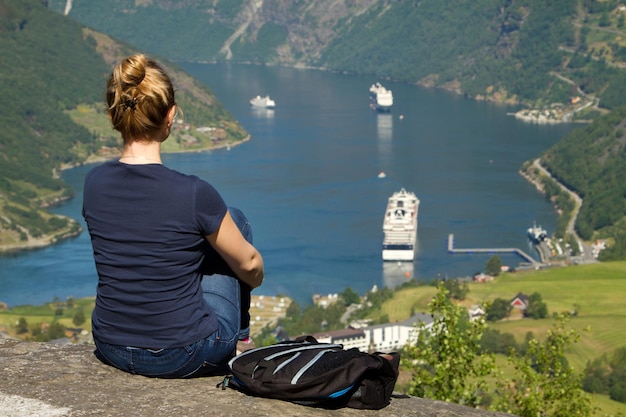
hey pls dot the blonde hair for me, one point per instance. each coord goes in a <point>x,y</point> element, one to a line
<point>139,94</point>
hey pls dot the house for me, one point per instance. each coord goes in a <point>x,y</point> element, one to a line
<point>482,277</point>
<point>520,301</point>
<point>325,300</point>
<point>349,338</point>
<point>381,337</point>
<point>475,312</point>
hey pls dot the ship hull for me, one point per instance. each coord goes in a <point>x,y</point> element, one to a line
<point>381,108</point>
<point>406,253</point>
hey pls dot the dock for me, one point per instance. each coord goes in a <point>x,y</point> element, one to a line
<point>516,251</point>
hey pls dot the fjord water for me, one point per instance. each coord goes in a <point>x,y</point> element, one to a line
<point>308,181</point>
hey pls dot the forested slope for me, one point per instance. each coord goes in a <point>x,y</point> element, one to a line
<point>592,162</point>
<point>533,52</point>
<point>50,66</point>
<point>37,137</point>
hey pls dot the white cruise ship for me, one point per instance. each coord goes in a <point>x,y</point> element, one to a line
<point>381,99</point>
<point>400,226</point>
<point>264,102</point>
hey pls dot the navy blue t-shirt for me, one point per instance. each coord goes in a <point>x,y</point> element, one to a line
<point>148,225</point>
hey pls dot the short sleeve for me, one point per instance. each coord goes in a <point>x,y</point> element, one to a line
<point>210,208</point>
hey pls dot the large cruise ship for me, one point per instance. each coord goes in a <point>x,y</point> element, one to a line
<point>400,226</point>
<point>381,99</point>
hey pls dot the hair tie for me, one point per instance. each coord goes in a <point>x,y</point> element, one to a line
<point>130,103</point>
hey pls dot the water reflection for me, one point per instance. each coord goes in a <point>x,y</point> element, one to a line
<point>397,273</point>
<point>263,112</point>
<point>384,123</point>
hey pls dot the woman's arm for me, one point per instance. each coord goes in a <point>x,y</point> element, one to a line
<point>239,254</point>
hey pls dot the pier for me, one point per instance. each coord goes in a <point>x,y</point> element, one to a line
<point>517,251</point>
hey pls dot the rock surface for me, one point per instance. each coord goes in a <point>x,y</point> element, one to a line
<point>48,380</point>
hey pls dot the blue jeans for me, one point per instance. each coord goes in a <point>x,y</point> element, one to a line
<point>230,301</point>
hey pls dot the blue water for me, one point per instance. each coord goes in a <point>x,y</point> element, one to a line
<point>308,181</point>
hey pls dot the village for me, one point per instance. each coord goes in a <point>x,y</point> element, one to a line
<point>265,312</point>
<point>361,334</point>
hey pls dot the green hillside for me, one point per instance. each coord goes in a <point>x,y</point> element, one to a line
<point>52,77</point>
<point>38,84</point>
<point>595,292</point>
<point>598,175</point>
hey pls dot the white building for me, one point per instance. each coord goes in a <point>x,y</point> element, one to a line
<point>378,338</point>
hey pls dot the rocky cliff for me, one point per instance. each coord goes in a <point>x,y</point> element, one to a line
<point>48,380</point>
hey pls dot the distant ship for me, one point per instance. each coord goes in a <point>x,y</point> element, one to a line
<point>400,226</point>
<point>264,102</point>
<point>537,234</point>
<point>381,99</point>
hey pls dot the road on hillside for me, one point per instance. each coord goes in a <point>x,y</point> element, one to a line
<point>585,249</point>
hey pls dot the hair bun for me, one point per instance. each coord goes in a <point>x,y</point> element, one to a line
<point>133,70</point>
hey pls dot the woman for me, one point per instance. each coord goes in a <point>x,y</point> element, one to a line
<point>175,265</point>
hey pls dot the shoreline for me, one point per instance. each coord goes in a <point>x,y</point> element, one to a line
<point>62,235</point>
<point>99,159</point>
<point>41,242</point>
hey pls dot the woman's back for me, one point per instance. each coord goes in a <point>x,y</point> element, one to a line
<point>147,225</point>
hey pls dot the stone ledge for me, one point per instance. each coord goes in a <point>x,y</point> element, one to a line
<point>47,380</point>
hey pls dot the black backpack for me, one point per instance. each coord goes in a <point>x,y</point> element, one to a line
<point>307,372</point>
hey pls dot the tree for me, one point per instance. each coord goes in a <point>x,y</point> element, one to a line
<point>607,375</point>
<point>445,362</point>
<point>293,311</point>
<point>495,342</point>
<point>498,309</point>
<point>537,309</point>
<point>544,384</point>
<point>349,296</point>
<point>597,376</point>
<point>312,319</point>
<point>22,326</point>
<point>54,330</point>
<point>456,289</point>
<point>618,376</point>
<point>493,266</point>
<point>79,317</point>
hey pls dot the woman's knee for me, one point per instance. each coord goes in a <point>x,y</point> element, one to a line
<point>222,293</point>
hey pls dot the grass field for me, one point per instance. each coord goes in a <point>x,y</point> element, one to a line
<point>60,311</point>
<point>596,292</point>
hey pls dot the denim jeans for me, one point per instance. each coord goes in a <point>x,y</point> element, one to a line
<point>214,265</point>
<point>230,301</point>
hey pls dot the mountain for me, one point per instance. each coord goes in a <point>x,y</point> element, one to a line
<point>562,58</point>
<point>533,52</point>
<point>53,73</point>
